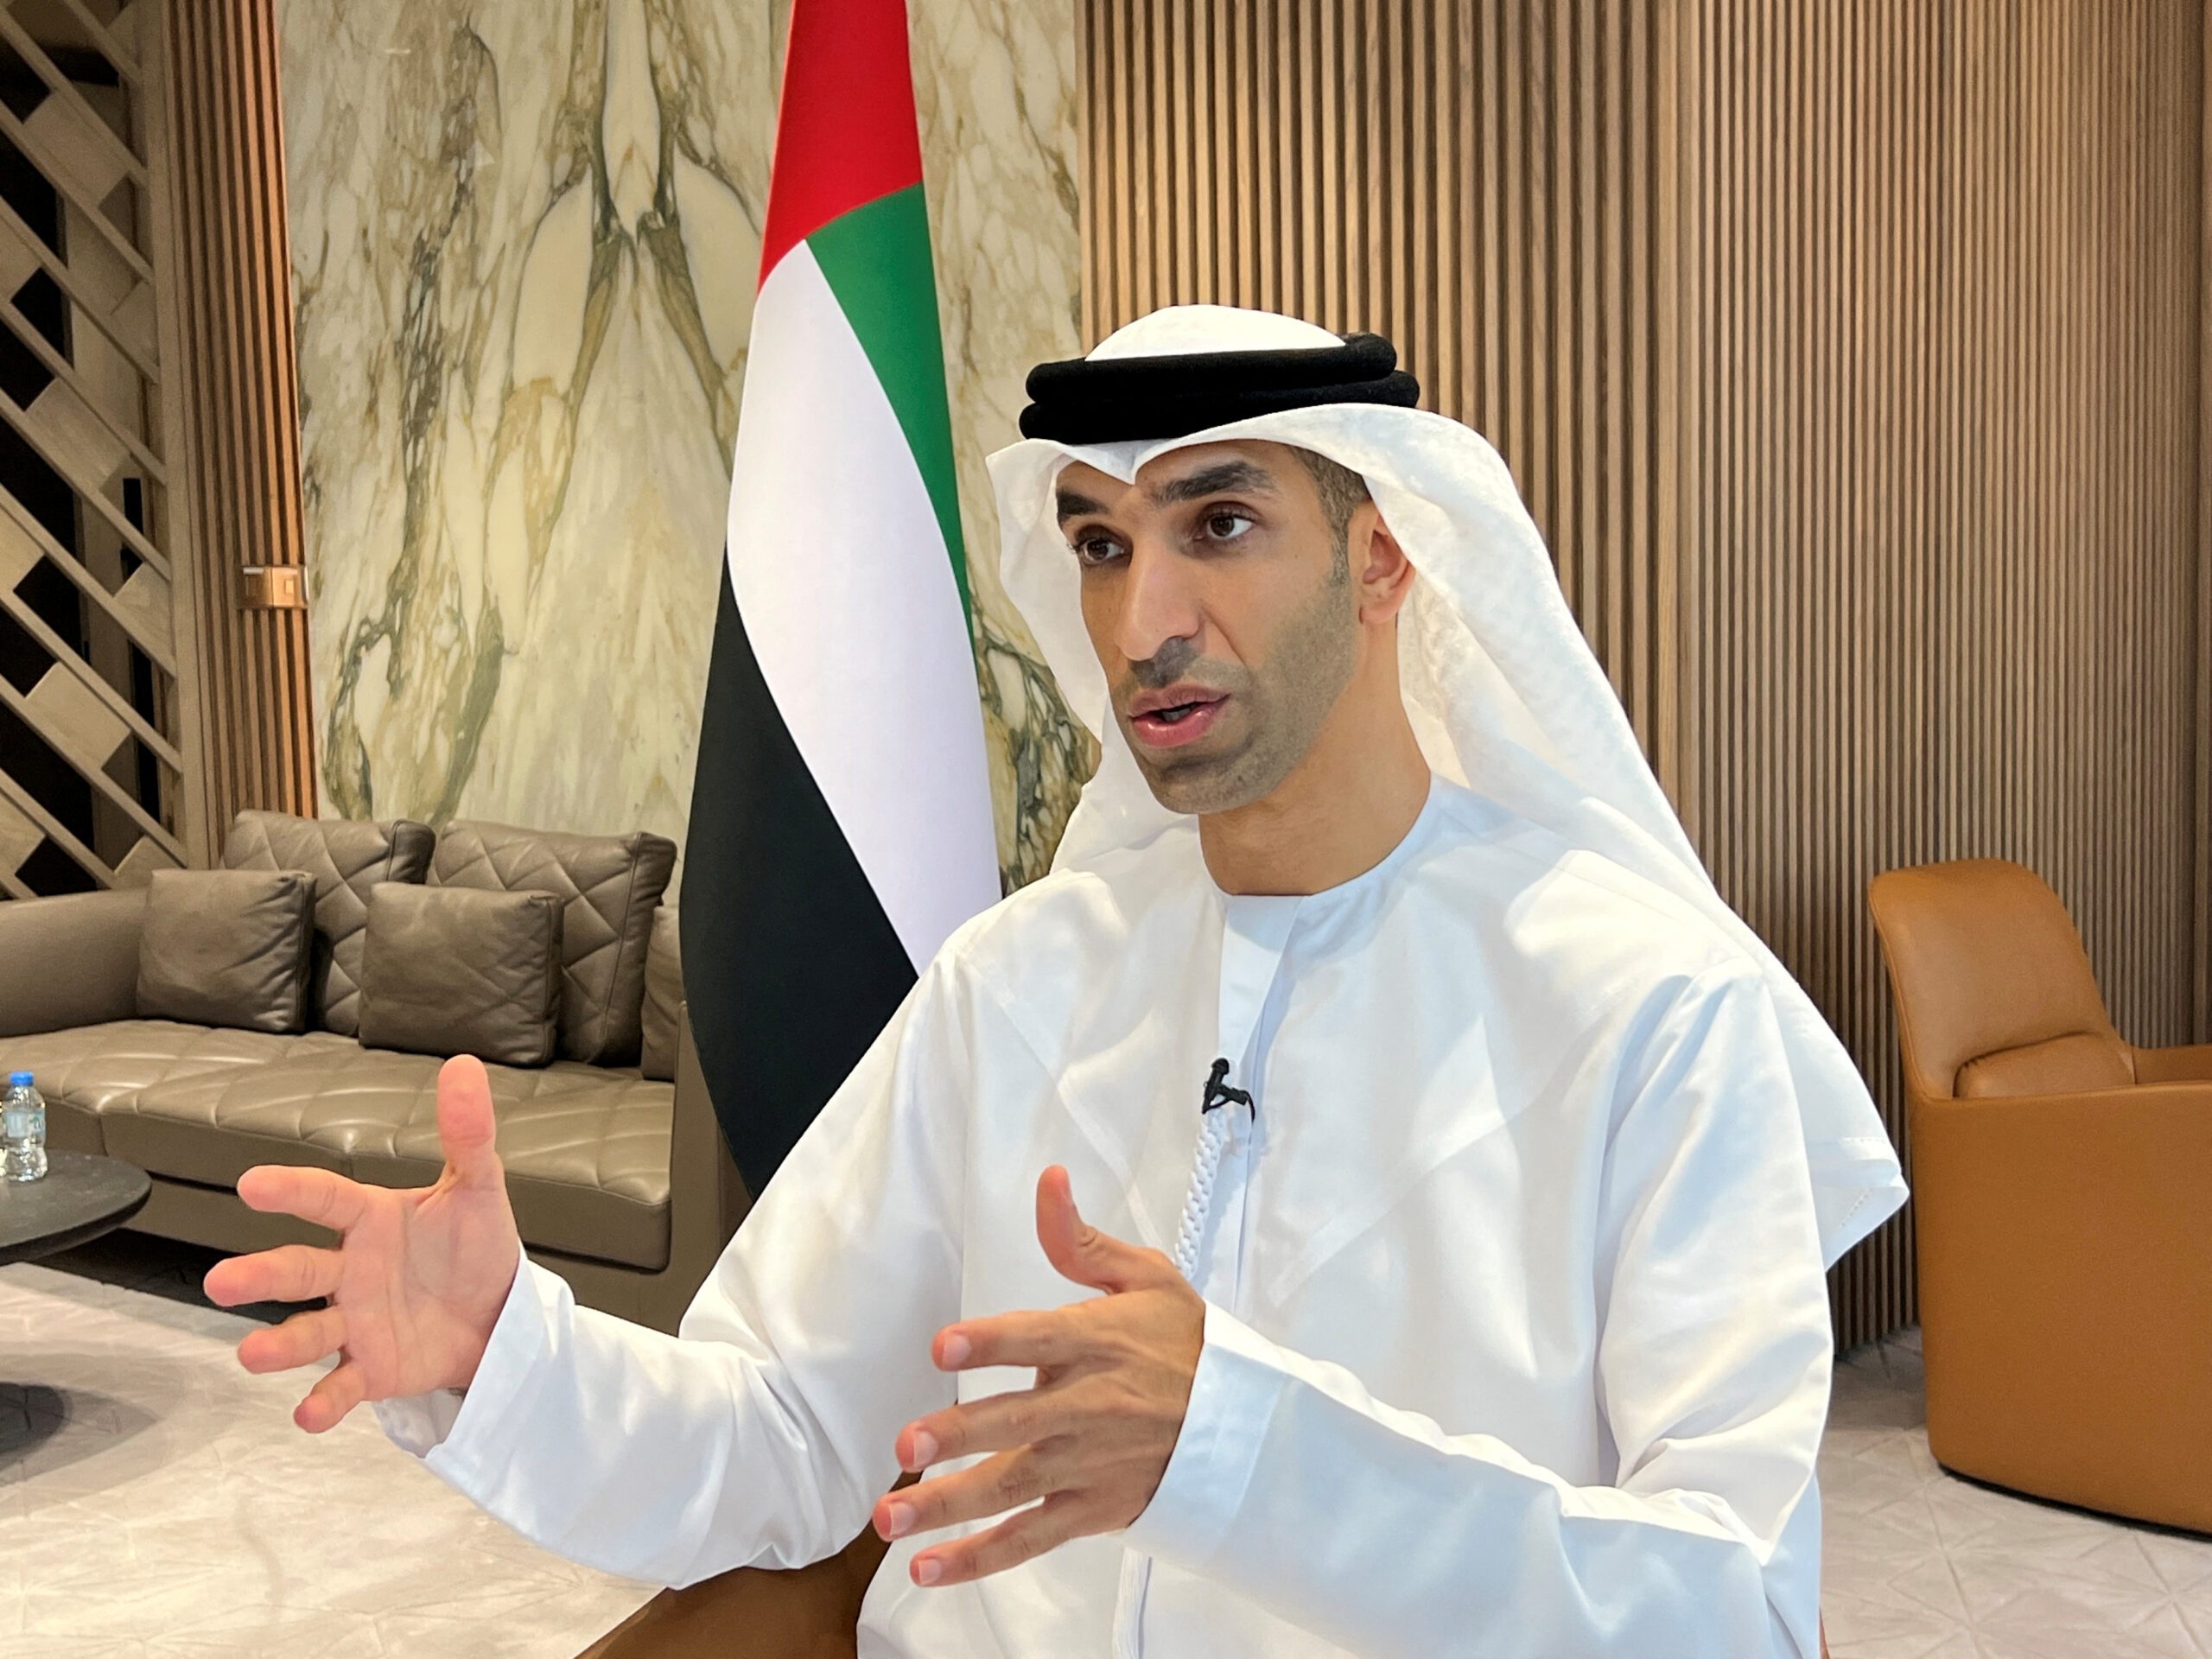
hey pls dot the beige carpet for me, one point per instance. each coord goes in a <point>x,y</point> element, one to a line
<point>156,1500</point>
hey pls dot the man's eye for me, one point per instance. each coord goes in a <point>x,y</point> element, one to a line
<point>1225,526</point>
<point>1096,549</point>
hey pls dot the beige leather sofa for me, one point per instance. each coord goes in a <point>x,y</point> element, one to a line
<point>620,1178</point>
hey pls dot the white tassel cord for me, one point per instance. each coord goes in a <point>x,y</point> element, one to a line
<point>1206,1168</point>
<point>1213,1135</point>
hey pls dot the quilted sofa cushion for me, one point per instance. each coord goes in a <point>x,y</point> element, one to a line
<point>586,1147</point>
<point>609,886</point>
<point>586,1150</point>
<point>227,948</point>
<point>87,1071</point>
<point>457,970</point>
<point>663,997</point>
<point>346,856</point>
<point>213,1126</point>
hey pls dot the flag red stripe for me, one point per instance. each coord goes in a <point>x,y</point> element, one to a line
<point>845,132</point>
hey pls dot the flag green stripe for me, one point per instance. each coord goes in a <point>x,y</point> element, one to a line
<point>876,260</point>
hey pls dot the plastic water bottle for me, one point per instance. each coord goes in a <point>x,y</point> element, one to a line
<point>22,1129</point>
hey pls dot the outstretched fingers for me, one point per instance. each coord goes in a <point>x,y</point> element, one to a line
<point>300,1340</point>
<point>1028,1535</point>
<point>321,1196</point>
<point>290,1272</point>
<point>1085,1254</point>
<point>327,1402</point>
<point>466,1123</point>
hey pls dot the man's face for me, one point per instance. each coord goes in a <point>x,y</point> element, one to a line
<point>1219,603</point>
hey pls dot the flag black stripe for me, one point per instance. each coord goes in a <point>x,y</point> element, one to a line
<point>791,966</point>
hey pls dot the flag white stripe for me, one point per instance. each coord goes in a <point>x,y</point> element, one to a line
<point>847,590</point>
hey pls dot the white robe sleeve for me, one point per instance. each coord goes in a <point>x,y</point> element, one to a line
<point>763,1434</point>
<point>1381,1530</point>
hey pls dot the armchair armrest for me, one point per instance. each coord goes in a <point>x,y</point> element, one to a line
<point>805,1612</point>
<point>2187,1064</point>
<point>2065,1277</point>
<point>72,960</point>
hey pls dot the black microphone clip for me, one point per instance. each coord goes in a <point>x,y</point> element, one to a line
<point>1218,1093</point>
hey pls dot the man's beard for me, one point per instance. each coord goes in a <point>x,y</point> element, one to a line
<point>1283,706</point>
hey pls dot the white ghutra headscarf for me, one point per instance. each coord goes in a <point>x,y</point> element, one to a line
<point>1500,684</point>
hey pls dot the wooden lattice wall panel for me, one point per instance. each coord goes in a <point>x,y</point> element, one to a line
<point>92,760</point>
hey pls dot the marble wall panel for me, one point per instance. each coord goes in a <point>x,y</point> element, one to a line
<point>525,238</point>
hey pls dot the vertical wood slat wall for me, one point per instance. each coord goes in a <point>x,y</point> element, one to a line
<point>230,316</point>
<point>1848,353</point>
<point>1480,181</point>
<point>1944,497</point>
<point>2202,905</point>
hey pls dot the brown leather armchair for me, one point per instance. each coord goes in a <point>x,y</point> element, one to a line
<point>2062,1182</point>
<point>811,1613</point>
<point>755,1612</point>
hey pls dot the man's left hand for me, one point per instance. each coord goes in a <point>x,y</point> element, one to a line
<point>1091,1439</point>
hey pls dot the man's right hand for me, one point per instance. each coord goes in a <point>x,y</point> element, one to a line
<point>415,1283</point>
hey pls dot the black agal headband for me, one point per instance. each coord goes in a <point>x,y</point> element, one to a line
<point>1084,401</point>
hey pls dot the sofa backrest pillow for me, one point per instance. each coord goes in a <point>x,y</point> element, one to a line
<point>346,856</point>
<point>461,971</point>
<point>609,886</point>
<point>663,998</point>
<point>227,948</point>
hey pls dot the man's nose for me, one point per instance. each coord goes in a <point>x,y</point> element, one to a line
<point>1159,601</point>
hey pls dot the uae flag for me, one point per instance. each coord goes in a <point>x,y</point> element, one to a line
<point>841,817</point>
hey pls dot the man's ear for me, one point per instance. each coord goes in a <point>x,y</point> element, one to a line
<point>1383,573</point>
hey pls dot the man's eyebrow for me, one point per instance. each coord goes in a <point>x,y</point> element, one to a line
<point>1072,504</point>
<point>1212,480</point>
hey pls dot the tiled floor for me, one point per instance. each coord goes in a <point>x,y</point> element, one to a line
<point>156,1500</point>
<point>1922,1566</point>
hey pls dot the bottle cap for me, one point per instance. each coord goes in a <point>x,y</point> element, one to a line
<point>19,1079</point>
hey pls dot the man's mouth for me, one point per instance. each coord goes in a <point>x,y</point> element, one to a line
<point>1169,725</point>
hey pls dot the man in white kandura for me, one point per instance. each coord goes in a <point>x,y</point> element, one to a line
<point>1458,1170</point>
